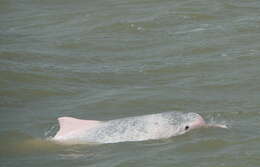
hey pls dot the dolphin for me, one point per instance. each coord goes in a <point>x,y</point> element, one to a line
<point>137,128</point>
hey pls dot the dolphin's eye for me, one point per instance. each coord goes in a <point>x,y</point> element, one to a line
<point>187,127</point>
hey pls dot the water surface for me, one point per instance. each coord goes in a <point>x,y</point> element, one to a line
<point>110,59</point>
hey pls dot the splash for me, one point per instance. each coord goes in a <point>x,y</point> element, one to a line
<point>217,124</point>
<point>51,131</point>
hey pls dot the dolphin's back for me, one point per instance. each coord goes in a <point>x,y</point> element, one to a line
<point>133,129</point>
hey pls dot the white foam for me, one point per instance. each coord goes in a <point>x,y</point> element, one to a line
<point>218,124</point>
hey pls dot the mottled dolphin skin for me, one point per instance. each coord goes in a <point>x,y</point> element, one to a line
<point>138,128</point>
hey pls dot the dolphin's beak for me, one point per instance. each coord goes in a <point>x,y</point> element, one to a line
<point>202,123</point>
<point>217,126</point>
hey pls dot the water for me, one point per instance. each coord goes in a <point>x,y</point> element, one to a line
<point>110,59</point>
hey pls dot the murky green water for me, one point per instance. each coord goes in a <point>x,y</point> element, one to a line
<point>117,58</point>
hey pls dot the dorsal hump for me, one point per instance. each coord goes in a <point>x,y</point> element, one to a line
<point>70,124</point>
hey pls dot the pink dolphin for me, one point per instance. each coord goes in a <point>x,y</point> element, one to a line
<point>138,128</point>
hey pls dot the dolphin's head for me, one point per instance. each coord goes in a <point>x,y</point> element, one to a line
<point>191,121</point>
<point>184,122</point>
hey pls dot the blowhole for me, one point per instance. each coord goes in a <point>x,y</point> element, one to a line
<point>187,127</point>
